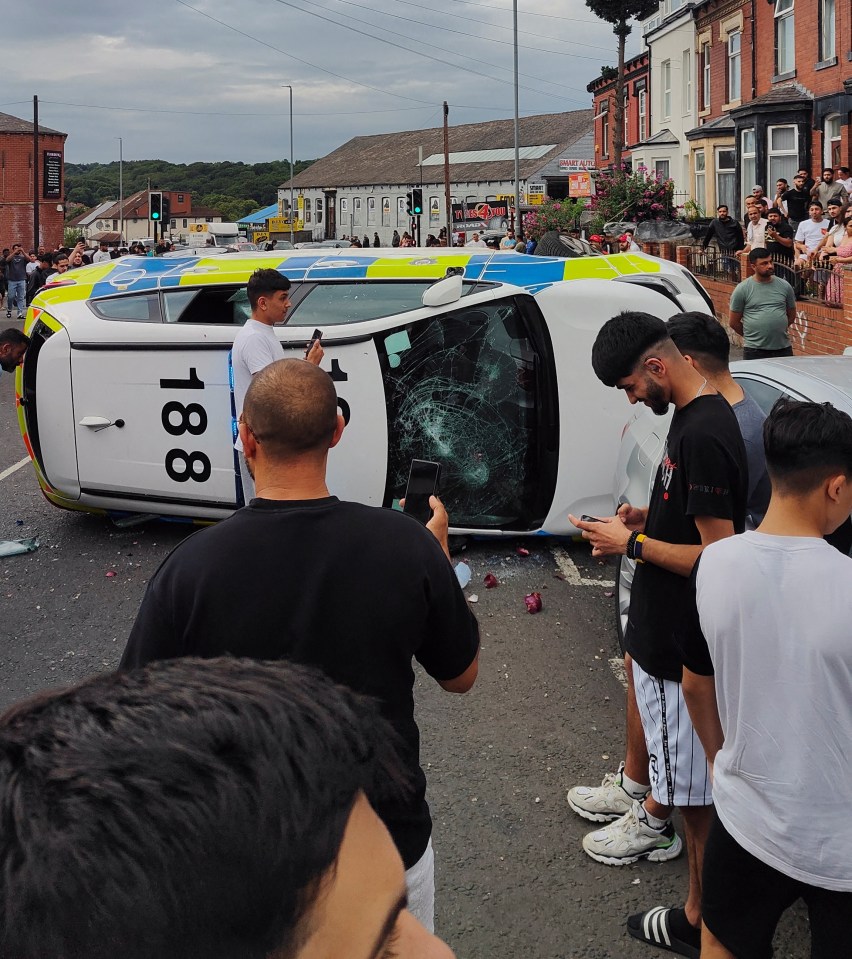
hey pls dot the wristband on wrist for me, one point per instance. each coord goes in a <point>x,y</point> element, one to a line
<point>631,545</point>
<point>637,547</point>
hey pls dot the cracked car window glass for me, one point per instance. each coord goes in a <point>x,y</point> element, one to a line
<point>461,390</point>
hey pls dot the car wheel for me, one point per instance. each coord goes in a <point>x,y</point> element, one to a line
<point>555,244</point>
<point>626,569</point>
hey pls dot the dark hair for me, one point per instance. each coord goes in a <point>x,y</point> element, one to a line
<point>14,337</point>
<point>291,407</point>
<point>828,169</point>
<point>844,169</point>
<point>265,283</point>
<point>189,809</point>
<point>722,206</point>
<point>758,253</point>
<point>621,343</point>
<point>702,336</point>
<point>814,203</point>
<point>806,443</point>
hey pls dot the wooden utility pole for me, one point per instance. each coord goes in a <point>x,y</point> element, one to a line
<point>447,200</point>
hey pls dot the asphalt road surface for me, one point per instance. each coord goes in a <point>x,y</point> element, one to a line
<point>545,714</point>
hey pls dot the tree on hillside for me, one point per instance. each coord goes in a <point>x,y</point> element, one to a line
<point>618,12</point>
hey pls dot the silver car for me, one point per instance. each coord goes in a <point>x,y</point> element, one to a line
<point>823,379</point>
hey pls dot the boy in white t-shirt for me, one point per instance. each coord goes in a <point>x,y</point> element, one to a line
<point>256,346</point>
<point>768,681</point>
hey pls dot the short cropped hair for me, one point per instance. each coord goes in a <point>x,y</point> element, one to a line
<point>814,203</point>
<point>806,443</point>
<point>190,809</point>
<point>758,253</point>
<point>14,337</point>
<point>291,408</point>
<point>621,343</point>
<point>265,283</point>
<point>702,336</point>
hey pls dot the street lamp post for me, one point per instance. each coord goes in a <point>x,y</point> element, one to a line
<point>290,88</point>
<point>120,190</point>
<point>519,225</point>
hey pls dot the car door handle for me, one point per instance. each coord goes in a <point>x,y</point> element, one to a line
<point>97,423</point>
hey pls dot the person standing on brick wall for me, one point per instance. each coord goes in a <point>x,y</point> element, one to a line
<point>16,278</point>
<point>797,201</point>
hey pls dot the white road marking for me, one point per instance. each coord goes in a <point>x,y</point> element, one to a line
<point>572,575</point>
<point>12,469</point>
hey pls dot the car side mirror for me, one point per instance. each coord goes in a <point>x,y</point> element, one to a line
<point>445,291</point>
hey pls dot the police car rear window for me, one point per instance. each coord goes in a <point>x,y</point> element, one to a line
<point>132,309</point>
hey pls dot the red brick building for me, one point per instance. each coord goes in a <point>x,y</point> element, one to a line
<point>774,87</point>
<point>636,113</point>
<point>16,183</point>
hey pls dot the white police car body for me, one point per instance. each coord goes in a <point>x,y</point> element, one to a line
<point>126,402</point>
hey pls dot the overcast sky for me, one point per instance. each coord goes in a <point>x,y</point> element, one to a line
<point>179,86</point>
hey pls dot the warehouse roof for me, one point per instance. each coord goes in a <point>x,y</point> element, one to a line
<point>478,152</point>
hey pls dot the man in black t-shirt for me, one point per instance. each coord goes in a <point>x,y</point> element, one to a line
<point>779,235</point>
<point>798,200</point>
<point>699,496</point>
<point>297,574</point>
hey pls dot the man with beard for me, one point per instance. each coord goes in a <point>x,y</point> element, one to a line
<point>699,497</point>
<point>13,345</point>
<point>763,308</point>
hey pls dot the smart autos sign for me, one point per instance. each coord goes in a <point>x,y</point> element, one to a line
<point>481,216</point>
<point>576,166</point>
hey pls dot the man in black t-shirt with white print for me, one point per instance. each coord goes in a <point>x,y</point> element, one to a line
<point>699,497</point>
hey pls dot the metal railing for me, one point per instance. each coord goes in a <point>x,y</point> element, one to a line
<point>820,282</point>
<point>714,264</point>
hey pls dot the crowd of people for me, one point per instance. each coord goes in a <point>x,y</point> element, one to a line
<point>739,700</point>
<point>806,225</point>
<point>229,792</point>
<point>24,273</point>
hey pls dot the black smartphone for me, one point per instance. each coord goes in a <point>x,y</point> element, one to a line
<point>316,335</point>
<point>423,480</point>
<point>585,518</point>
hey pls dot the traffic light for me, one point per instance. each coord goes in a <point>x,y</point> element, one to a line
<point>409,202</point>
<point>166,207</point>
<point>416,202</point>
<point>155,206</point>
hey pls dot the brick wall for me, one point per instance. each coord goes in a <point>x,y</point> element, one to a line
<point>16,192</point>
<point>820,328</point>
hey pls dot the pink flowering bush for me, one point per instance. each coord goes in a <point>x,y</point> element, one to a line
<point>559,215</point>
<point>638,196</point>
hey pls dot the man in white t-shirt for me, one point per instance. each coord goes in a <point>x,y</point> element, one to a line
<point>256,345</point>
<point>810,234</point>
<point>756,230</point>
<point>768,681</point>
<point>478,242</point>
<point>102,253</point>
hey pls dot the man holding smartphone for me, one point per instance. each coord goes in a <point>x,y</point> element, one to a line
<point>698,497</point>
<point>358,591</point>
<point>256,345</point>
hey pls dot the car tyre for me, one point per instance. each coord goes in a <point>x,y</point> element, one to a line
<point>623,587</point>
<point>555,244</point>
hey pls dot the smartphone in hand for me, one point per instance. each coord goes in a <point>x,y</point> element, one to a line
<point>423,481</point>
<point>316,335</point>
<point>585,518</point>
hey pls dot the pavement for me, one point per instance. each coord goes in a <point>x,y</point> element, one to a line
<point>547,712</point>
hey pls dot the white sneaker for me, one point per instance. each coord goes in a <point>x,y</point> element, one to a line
<point>603,803</point>
<point>631,838</point>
